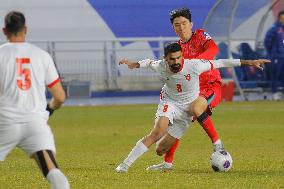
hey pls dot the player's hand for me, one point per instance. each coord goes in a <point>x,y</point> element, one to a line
<point>49,109</point>
<point>131,65</point>
<point>255,63</point>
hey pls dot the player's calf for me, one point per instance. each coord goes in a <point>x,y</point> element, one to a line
<point>157,132</point>
<point>46,161</point>
<point>165,144</point>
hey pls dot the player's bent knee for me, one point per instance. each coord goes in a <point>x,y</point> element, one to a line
<point>57,179</point>
<point>198,108</point>
<point>159,152</point>
<point>156,136</point>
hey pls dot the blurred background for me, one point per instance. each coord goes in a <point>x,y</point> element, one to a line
<point>87,38</point>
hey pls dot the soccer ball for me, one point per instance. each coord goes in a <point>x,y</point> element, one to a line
<point>221,161</point>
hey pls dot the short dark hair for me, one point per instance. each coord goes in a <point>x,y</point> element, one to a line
<point>14,22</point>
<point>280,14</point>
<point>184,12</point>
<point>171,48</point>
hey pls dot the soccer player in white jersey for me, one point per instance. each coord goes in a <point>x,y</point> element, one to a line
<point>180,91</point>
<point>25,71</point>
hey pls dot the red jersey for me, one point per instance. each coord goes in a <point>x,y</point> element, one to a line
<point>201,46</point>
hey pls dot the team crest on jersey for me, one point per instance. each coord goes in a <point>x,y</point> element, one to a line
<point>204,61</point>
<point>207,36</point>
<point>187,77</point>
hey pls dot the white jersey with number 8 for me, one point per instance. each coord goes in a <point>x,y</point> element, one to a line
<point>25,71</point>
<point>183,87</point>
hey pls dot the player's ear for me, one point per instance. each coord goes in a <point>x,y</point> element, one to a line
<point>4,31</point>
<point>25,29</point>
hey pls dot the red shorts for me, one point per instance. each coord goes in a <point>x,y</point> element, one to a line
<point>212,93</point>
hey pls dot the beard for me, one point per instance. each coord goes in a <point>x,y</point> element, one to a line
<point>175,67</point>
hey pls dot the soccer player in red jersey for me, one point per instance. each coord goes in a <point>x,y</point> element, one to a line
<point>197,45</point>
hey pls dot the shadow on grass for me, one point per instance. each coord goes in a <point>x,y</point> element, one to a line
<point>232,172</point>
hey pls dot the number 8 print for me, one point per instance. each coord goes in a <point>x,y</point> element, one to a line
<point>165,108</point>
<point>179,89</point>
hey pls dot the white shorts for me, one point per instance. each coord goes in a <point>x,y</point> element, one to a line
<point>177,114</point>
<point>30,136</point>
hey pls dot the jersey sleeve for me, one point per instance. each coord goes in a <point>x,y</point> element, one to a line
<point>199,66</point>
<point>52,76</point>
<point>154,65</point>
<point>203,36</point>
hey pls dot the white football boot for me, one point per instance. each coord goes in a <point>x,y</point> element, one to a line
<point>122,168</point>
<point>162,166</point>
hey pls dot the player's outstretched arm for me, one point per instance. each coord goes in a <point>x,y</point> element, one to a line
<point>146,63</point>
<point>206,65</point>
<point>255,63</point>
<point>131,65</point>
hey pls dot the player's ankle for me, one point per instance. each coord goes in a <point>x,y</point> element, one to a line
<point>168,163</point>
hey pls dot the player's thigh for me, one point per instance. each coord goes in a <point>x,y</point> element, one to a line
<point>37,137</point>
<point>178,129</point>
<point>9,138</point>
<point>165,109</point>
<point>180,124</point>
<point>161,125</point>
<point>198,106</point>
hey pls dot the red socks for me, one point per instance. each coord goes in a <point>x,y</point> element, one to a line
<point>169,156</point>
<point>207,124</point>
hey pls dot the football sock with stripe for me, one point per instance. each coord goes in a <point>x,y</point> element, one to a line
<point>207,124</point>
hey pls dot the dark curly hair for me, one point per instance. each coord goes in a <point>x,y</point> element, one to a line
<point>184,12</point>
<point>14,22</point>
<point>171,48</point>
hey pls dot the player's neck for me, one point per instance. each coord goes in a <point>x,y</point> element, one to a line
<point>185,39</point>
<point>20,37</point>
<point>17,39</point>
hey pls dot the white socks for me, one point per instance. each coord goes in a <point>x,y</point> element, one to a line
<point>135,153</point>
<point>57,179</point>
<point>217,142</point>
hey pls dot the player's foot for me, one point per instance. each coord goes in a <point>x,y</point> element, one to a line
<point>122,168</point>
<point>162,166</point>
<point>218,147</point>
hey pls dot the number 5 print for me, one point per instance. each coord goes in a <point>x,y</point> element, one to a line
<point>23,73</point>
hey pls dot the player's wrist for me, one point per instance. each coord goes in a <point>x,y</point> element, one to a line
<point>244,62</point>
<point>49,109</point>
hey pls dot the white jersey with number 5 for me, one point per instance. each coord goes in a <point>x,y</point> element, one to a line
<point>25,70</point>
<point>183,87</point>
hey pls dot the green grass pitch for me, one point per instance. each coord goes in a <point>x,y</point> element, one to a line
<point>92,141</point>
